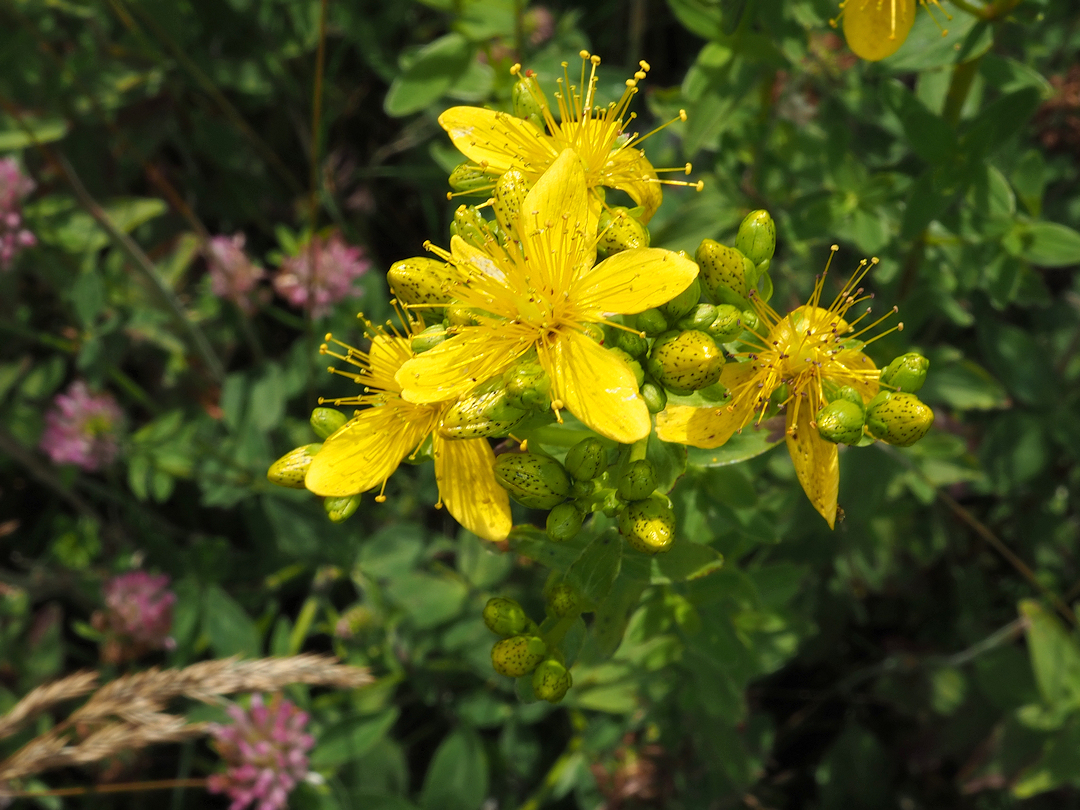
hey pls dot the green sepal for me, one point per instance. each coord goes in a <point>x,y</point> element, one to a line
<point>327,421</point>
<point>340,509</point>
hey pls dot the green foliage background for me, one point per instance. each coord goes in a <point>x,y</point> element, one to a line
<point>922,655</point>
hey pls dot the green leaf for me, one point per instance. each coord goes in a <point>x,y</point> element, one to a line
<point>483,564</point>
<point>999,121</point>
<point>1058,765</point>
<point>963,385</point>
<point>351,739</point>
<point>434,70</point>
<point>699,17</point>
<point>267,399</point>
<point>458,776</point>
<point>751,442</point>
<point>1055,656</point>
<point>929,136</point>
<point>1047,244</point>
<point>15,135</point>
<point>668,460</point>
<point>926,48</point>
<point>231,630</point>
<point>429,600</point>
<point>531,542</point>
<point>685,561</point>
<point>596,569</point>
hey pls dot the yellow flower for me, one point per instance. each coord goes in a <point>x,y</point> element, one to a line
<point>805,350</point>
<point>542,291</point>
<point>875,29</point>
<point>367,449</point>
<point>497,141</point>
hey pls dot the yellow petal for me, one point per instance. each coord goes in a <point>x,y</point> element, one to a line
<point>555,222</point>
<point>454,368</point>
<point>816,461</point>
<point>495,140</point>
<point>699,427</point>
<point>875,29</point>
<point>866,380</point>
<point>596,387</point>
<point>367,449</point>
<point>628,170</point>
<point>633,281</point>
<point>465,470</point>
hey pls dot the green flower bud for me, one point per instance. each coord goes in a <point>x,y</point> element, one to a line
<point>510,191</point>
<point>482,413</point>
<point>457,315</point>
<point>595,331</point>
<point>841,422</point>
<point>517,655</point>
<point>564,522</point>
<point>631,342</point>
<point>757,237</point>
<point>583,489</point>
<point>685,361</point>
<point>632,364</point>
<point>428,339</point>
<point>722,271</point>
<point>528,99</point>
<point>551,681</point>
<point>681,304</point>
<point>652,322</point>
<point>906,373</point>
<point>327,421</point>
<point>727,325</point>
<point>505,617</point>
<point>538,482</point>
<point>291,469</point>
<point>649,525</point>
<point>471,226</point>
<point>563,600</point>
<point>638,481</point>
<point>467,178</point>
<point>898,418</point>
<point>340,509</point>
<point>586,459</point>
<point>527,386</point>
<point>655,397</point>
<point>700,317</point>
<point>833,392</point>
<point>421,280</point>
<point>619,231</point>
<point>750,320</point>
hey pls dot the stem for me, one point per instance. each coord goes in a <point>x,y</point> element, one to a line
<point>554,775</point>
<point>963,75</point>
<point>122,787</point>
<point>556,634</point>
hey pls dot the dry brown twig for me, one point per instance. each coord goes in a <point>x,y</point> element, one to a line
<point>129,713</point>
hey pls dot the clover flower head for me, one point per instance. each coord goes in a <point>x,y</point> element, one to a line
<point>82,429</point>
<point>232,274</point>
<point>321,274</point>
<point>14,238</point>
<point>538,23</point>
<point>265,751</point>
<point>798,356</point>
<point>138,614</point>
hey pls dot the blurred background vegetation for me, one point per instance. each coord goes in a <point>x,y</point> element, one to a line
<point>923,655</point>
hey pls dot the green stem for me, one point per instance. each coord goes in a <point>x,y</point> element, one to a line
<point>963,76</point>
<point>556,634</point>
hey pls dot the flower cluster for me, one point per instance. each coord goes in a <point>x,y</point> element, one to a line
<point>14,237</point>
<point>232,274</point>
<point>321,273</point>
<point>554,324</point>
<point>265,751</point>
<point>137,616</point>
<point>82,428</point>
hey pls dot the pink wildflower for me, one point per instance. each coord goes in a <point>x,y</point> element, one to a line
<point>336,266</point>
<point>265,751</point>
<point>14,238</point>
<point>232,274</point>
<point>137,616</point>
<point>82,429</point>
<point>539,23</point>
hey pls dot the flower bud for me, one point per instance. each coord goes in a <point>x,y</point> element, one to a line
<point>685,361</point>
<point>517,655</point>
<point>612,504</point>
<point>428,339</point>
<point>510,191</point>
<point>586,459</point>
<point>632,364</point>
<point>551,681</point>
<point>631,342</point>
<point>291,469</point>
<point>471,226</point>
<point>834,392</point>
<point>529,100</point>
<point>841,422</point>
<point>595,331</point>
<point>898,418</point>
<point>619,231</point>
<point>538,482</point>
<point>505,617</point>
<point>722,272</point>
<point>652,322</point>
<point>563,600</point>
<point>655,397</point>
<point>457,315</point>
<point>727,325</point>
<point>701,317</point>
<point>750,320</point>
<point>638,481</point>
<point>527,386</point>
<point>564,522</point>
<point>469,178</point>
<point>649,525</point>
<point>906,373</point>
<point>756,239</point>
<point>681,304</point>
<point>340,509</point>
<point>421,280</point>
<point>326,421</point>
<point>583,489</point>
<point>483,412</point>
